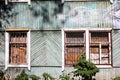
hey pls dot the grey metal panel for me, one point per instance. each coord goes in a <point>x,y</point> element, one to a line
<point>46,48</point>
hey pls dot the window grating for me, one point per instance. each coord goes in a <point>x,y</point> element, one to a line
<point>100,47</point>
<point>74,47</point>
<point>17,47</point>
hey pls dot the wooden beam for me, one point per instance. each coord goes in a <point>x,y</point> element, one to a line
<point>16,29</point>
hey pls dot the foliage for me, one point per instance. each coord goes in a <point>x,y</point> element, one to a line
<point>64,77</point>
<point>85,69</point>
<point>22,76</point>
<point>5,13</point>
<point>1,75</point>
<point>34,77</point>
<point>116,78</point>
<point>47,76</point>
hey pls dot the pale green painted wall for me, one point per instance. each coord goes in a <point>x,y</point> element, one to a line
<point>46,37</point>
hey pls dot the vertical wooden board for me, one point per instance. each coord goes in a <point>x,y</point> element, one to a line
<point>2,48</point>
<point>116,48</point>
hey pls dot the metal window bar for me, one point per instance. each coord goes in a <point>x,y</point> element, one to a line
<point>74,47</point>
<point>100,40</point>
<point>17,47</point>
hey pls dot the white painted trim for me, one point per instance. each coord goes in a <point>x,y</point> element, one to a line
<point>111,1</point>
<point>97,29</point>
<point>104,66</point>
<point>71,29</point>
<point>28,1</point>
<point>77,29</point>
<point>17,65</point>
<point>110,53</point>
<point>28,49</point>
<point>63,61</point>
<point>87,44</point>
<point>62,1</point>
<point>6,50</point>
<point>6,2</point>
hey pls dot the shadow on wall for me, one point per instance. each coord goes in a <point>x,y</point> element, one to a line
<point>6,12</point>
<point>47,10</point>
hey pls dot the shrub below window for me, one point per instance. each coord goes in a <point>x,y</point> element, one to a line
<point>85,68</point>
<point>116,78</point>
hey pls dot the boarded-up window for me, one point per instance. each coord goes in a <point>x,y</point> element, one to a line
<point>100,47</point>
<point>74,46</point>
<point>17,47</point>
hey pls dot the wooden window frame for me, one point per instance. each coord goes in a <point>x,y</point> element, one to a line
<point>63,43</point>
<point>7,34</point>
<point>101,45</point>
<point>87,40</point>
<point>72,56</point>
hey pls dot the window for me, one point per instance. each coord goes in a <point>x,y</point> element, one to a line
<point>17,48</point>
<point>74,46</point>
<point>95,43</point>
<point>100,47</point>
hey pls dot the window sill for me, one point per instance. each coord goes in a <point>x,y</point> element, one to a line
<point>103,66</point>
<point>17,66</point>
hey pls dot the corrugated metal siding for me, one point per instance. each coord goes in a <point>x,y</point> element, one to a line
<point>107,73</point>
<point>87,14</point>
<point>39,15</point>
<point>46,48</point>
<point>53,71</point>
<point>90,14</point>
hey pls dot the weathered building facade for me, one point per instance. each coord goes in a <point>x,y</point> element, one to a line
<point>52,35</point>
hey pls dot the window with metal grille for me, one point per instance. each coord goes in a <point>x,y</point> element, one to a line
<point>74,46</point>
<point>17,48</point>
<point>100,47</point>
<point>96,43</point>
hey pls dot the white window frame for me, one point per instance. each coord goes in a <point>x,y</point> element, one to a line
<point>28,1</point>
<point>7,51</point>
<point>87,44</point>
<point>111,1</point>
